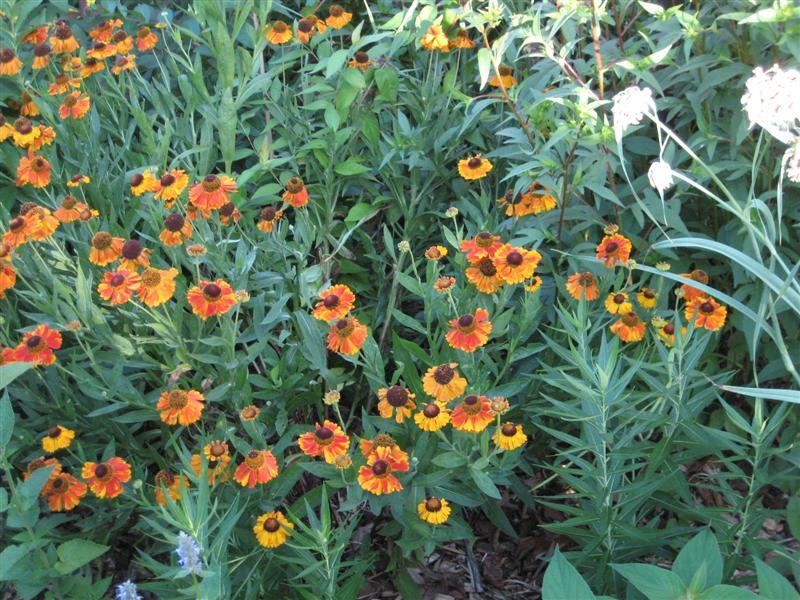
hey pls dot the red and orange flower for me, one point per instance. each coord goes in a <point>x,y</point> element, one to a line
<point>515,265</point>
<point>180,407</point>
<point>337,301</point>
<point>118,286</point>
<point>629,328</point>
<point>347,336</point>
<point>37,346</point>
<point>613,249</point>
<point>105,249</point>
<point>296,193</point>
<point>397,402</point>
<point>156,286</point>
<point>105,479</point>
<point>469,332</point>
<point>482,245</point>
<point>326,440</point>
<point>583,284</point>
<point>177,229</point>
<point>74,106</point>
<point>473,414</point>
<point>63,492</point>
<point>706,313</point>
<point>211,298</point>
<point>258,467</point>
<point>212,193</point>
<point>378,475</point>
<point>145,39</point>
<point>33,170</point>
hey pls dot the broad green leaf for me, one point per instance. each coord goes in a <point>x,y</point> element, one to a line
<point>702,548</point>
<point>6,420</point>
<point>73,554</point>
<point>772,584</point>
<point>485,483</point>
<point>654,582</point>
<point>11,371</point>
<point>727,592</point>
<point>562,580</point>
<point>335,62</point>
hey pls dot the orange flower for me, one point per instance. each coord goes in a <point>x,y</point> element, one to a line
<point>327,440</point>
<point>435,39</point>
<point>469,332</point>
<point>28,108</point>
<point>156,286</point>
<point>258,466</point>
<point>474,167</point>
<point>228,213</point>
<point>215,451</point>
<point>210,299</point>
<point>40,463</point>
<point>462,40</point>
<point>278,32</point>
<point>134,256</point>
<point>617,303</point>
<point>337,17</point>
<point>435,252</point>
<point>171,484</point>
<point>517,205</point>
<point>122,63</point>
<point>337,301</point>
<point>360,61</point>
<point>377,476</point>
<point>19,232</point>
<point>443,383</point>
<point>296,193</point>
<point>533,285</point>
<point>41,56</point>
<point>101,51</point>
<point>118,287</point>
<point>220,472</point>
<point>105,249</point>
<point>268,218</point>
<point>706,312</point>
<point>171,185</point>
<point>145,39</point>
<point>75,106</point>
<point>446,283</point>
<point>104,31</point>
<point>178,407</point>
<point>347,336</point>
<point>63,492</point>
<point>483,275</point>
<point>33,170</point>
<point>382,440</point>
<point>515,265</point>
<point>504,76</point>
<point>78,179</point>
<point>583,283</point>
<point>40,220</point>
<point>142,183</point>
<point>105,479</point>
<point>8,278</point>
<point>36,36</point>
<point>9,63</point>
<point>689,292</point>
<point>629,328</point>
<point>62,41</point>
<point>397,402</point>
<point>37,346</point>
<point>122,41</point>
<point>305,30</point>
<point>92,66</point>
<point>613,249</point>
<point>212,193</point>
<point>482,245</point>
<point>473,414</point>
<point>63,83</point>
<point>177,229</point>
<point>249,413</point>
<point>540,201</point>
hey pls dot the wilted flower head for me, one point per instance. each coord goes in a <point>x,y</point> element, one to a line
<point>404,246</point>
<point>793,161</point>
<point>611,229</point>
<point>630,105</point>
<point>188,552</point>
<point>127,591</point>
<point>772,100</point>
<point>331,397</point>
<point>499,405</point>
<point>663,265</point>
<point>451,212</point>
<point>660,176</point>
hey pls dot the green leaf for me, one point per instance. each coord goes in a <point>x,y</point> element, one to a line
<point>335,62</point>
<point>351,167</point>
<point>727,592</point>
<point>76,553</point>
<point>6,420</point>
<point>449,460</point>
<point>702,548</point>
<point>655,583</point>
<point>11,371</point>
<point>772,584</point>
<point>562,580</point>
<point>485,483</point>
<point>388,84</point>
<point>484,65</point>
<point>9,557</point>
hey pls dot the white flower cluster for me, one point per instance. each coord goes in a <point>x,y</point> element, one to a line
<point>793,161</point>
<point>772,101</point>
<point>127,591</point>
<point>630,106</point>
<point>660,176</point>
<point>188,552</point>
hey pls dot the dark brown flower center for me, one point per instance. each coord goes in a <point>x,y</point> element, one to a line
<point>324,433</point>
<point>211,183</point>
<point>39,164</point>
<point>669,329</point>
<point>305,25</point>
<point>41,50</point>
<point>631,319</point>
<point>471,400</point>
<point>505,71</point>
<point>252,454</point>
<point>132,249</point>
<point>101,470</point>
<point>699,276</point>
<point>381,467</point>
<point>474,162</point>
<point>143,32</point>
<point>345,327</point>
<point>6,55</point>
<point>54,432</point>
<point>648,293</point>
<point>279,27</point>
<point>91,62</point>
<point>336,10</point>
<point>509,430</point>
<point>487,268</point>
<point>514,258</point>
<point>212,291</point>
<point>58,483</point>
<point>397,396</point>
<point>137,179</point>
<point>587,279</point>
<point>164,478</point>
<point>466,321</point>
<point>167,180</point>
<point>432,410</point>
<point>331,301</point>
<point>177,399</point>
<point>268,213</point>
<point>362,57</point>
<point>218,449</point>
<point>272,525</point>
<point>294,185</point>
<point>23,126</point>
<point>619,298</point>
<point>63,31</point>
<point>433,505</point>
<point>611,247</point>
<point>102,240</point>
<point>116,280</point>
<point>174,222</point>
<point>227,210</point>
<point>443,374</point>
<point>707,307</point>
<point>16,223</point>
<point>35,342</point>
<point>119,36</point>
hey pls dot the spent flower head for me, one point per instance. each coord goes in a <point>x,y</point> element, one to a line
<point>404,246</point>
<point>772,101</point>
<point>660,176</point>
<point>451,212</point>
<point>332,397</point>
<point>630,106</point>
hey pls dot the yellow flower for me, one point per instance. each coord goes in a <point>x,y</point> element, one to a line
<point>434,510</point>
<point>272,529</point>
<point>57,438</point>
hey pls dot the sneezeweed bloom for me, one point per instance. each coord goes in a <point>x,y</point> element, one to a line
<point>689,292</point>
<point>706,313</point>
<point>473,414</point>
<point>469,332</point>
<point>396,401</point>
<point>104,31</point>
<point>171,185</point>
<point>63,83</point>
<point>305,30</point>
<point>613,249</point>
<point>509,436</point>
<point>272,529</point>
<point>74,106</point>
<point>196,250</point>
<point>337,301</point>
<point>78,179</point>
<point>41,221</point>
<point>33,170</point>
<point>25,133</point>
<point>127,590</point>
<point>647,298</point>
<point>177,229</point>
<point>540,200</point>
<point>483,275</point>
<point>444,284</point>
<point>41,56</point>
<point>327,441</point>
<point>37,346</point>
<point>62,41</point>
<point>434,510</point>
<point>124,63</point>
<point>63,492</point>
<point>385,441</point>
<point>337,17</point>
<point>171,483</point>
<point>347,336</point>
<point>617,303</point>
<point>499,405</point>
<point>583,284</point>
<point>268,218</point>
<point>8,278</point>
<point>504,76</point>
<point>443,383</point>
<point>9,63</point>
<point>92,66</point>
<point>360,61</point>
<point>482,245</point>
<point>462,40</point>
<point>156,286</point>
<point>474,167</point>
<point>57,438</point>
<point>145,39</point>
<point>179,407</point>
<point>40,463</point>
<point>517,204</point>
<point>249,413</point>
<point>211,298</point>
<point>432,417</point>
<point>629,328</point>
<point>229,214</point>
<point>189,554</point>
<point>515,265</point>
<point>278,32</point>
<point>258,467</point>
<point>216,451</point>
<point>105,479</point>
<point>105,249</point>
<point>435,252</point>
<point>212,193</point>
<point>377,476</point>
<point>533,285</point>
<point>216,471</point>
<point>296,193</point>
<point>142,183</point>
<point>101,51</point>
<point>28,108</point>
<point>435,39</point>
<point>134,256</point>
<point>123,42</point>
<point>666,332</point>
